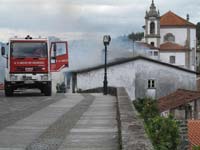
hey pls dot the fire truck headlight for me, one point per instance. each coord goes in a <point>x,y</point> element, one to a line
<point>44,77</point>
<point>13,78</point>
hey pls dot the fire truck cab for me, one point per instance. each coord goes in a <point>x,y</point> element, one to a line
<point>30,62</point>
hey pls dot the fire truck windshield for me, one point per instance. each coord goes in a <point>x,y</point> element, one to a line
<point>29,49</point>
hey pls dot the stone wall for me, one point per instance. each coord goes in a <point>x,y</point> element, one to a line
<point>131,132</point>
<point>183,129</point>
<point>131,127</point>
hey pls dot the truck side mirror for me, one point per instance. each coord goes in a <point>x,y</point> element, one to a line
<point>3,52</point>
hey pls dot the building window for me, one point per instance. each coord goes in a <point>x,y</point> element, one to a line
<point>152,28</point>
<point>156,53</point>
<point>169,37</point>
<point>152,43</point>
<point>151,84</point>
<point>153,53</point>
<point>172,59</point>
<point>150,53</point>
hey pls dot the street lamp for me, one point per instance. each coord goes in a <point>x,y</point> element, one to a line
<point>106,42</point>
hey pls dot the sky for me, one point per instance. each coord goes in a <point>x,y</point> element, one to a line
<point>83,19</point>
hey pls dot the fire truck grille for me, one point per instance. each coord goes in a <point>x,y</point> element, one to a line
<point>29,69</point>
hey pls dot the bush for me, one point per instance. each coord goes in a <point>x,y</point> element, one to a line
<point>196,148</point>
<point>147,108</point>
<point>163,132</point>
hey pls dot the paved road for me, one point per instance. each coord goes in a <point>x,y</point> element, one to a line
<point>60,122</point>
<point>22,105</point>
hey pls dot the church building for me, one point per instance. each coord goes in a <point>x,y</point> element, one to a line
<point>173,36</point>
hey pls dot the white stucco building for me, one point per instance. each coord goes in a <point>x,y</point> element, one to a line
<point>140,76</point>
<point>174,37</point>
<point>169,63</point>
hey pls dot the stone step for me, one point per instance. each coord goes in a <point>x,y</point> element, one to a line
<point>96,130</point>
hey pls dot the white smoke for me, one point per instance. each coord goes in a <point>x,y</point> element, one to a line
<point>89,53</point>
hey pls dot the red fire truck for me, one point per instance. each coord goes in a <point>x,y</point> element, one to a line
<point>30,62</point>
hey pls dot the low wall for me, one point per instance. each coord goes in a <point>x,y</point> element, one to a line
<point>111,90</point>
<point>131,127</point>
<point>131,130</point>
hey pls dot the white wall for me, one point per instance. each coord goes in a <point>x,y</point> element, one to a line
<point>57,77</point>
<point>193,45</point>
<point>2,67</point>
<point>118,76</point>
<point>168,79</point>
<point>180,57</point>
<point>149,40</point>
<point>179,33</point>
<point>193,38</point>
<point>134,77</point>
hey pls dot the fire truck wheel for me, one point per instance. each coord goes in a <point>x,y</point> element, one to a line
<point>47,90</point>
<point>8,91</point>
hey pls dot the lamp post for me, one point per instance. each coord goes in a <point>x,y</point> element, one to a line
<point>106,41</point>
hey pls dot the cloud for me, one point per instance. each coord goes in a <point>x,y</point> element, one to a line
<point>84,17</point>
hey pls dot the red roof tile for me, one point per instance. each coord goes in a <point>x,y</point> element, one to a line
<point>176,99</point>
<point>194,132</point>
<point>170,46</point>
<point>171,19</point>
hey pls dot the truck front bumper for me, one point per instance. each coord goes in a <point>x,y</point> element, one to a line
<point>27,84</point>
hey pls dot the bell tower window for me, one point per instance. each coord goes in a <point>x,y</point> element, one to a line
<point>152,28</point>
<point>152,44</point>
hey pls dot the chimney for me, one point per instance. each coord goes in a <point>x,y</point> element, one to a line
<point>188,17</point>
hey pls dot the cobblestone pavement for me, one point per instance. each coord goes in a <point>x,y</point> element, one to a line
<point>60,122</point>
<point>22,105</point>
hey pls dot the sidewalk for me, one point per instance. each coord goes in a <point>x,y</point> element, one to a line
<point>76,122</point>
<point>96,129</point>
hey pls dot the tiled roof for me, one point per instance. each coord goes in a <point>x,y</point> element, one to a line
<point>170,46</point>
<point>194,132</point>
<point>176,99</point>
<point>126,60</point>
<point>171,19</point>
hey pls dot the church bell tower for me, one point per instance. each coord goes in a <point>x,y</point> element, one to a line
<point>152,26</point>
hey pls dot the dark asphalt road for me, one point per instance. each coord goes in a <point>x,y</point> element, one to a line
<point>23,104</point>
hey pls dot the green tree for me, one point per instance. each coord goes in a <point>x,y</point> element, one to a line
<point>163,132</point>
<point>196,148</point>
<point>147,107</point>
<point>136,36</point>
